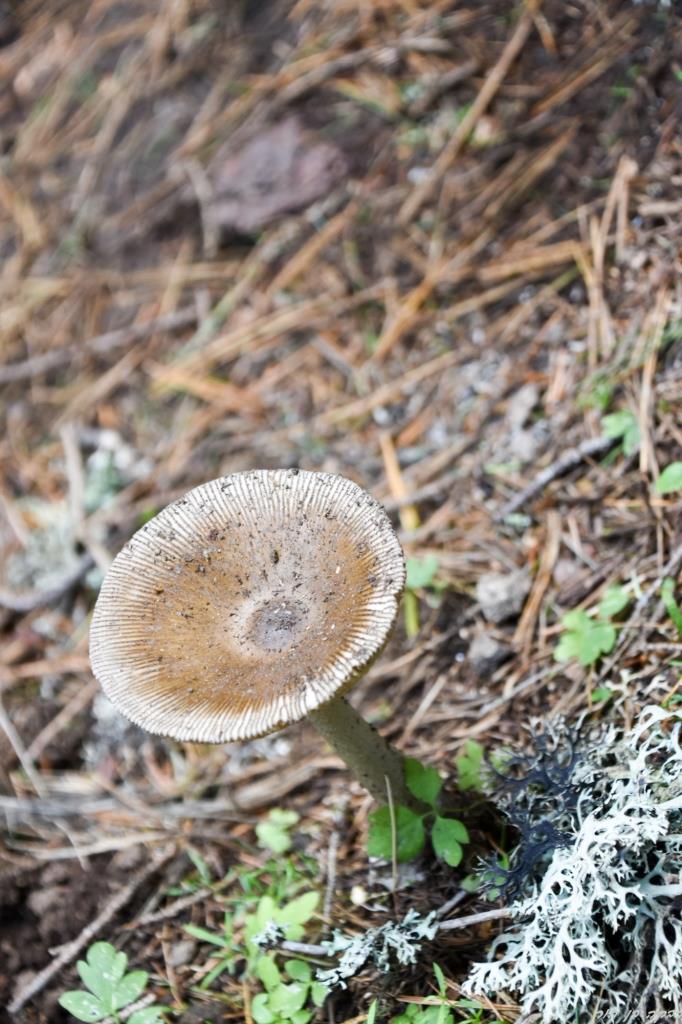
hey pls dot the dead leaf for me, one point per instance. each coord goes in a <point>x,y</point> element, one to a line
<point>281,170</point>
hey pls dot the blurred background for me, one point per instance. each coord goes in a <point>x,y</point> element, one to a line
<point>433,245</point>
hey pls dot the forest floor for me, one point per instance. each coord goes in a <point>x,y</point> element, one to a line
<point>432,245</point>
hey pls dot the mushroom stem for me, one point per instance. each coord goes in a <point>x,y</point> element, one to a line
<point>364,750</point>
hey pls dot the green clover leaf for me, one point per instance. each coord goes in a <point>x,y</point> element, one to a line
<point>410,835</point>
<point>447,837</point>
<point>422,781</point>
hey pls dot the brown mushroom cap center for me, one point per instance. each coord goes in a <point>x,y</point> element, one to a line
<point>251,609</point>
<point>277,624</point>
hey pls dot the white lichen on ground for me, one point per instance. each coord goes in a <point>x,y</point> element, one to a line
<point>597,935</point>
<point>396,942</point>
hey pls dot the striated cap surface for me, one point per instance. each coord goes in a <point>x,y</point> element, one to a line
<point>244,605</point>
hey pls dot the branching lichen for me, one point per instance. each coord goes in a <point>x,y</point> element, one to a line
<point>598,935</point>
<point>395,942</point>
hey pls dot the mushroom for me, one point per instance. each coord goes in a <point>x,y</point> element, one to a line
<point>256,600</point>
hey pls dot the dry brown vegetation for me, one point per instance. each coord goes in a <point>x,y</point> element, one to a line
<point>423,243</point>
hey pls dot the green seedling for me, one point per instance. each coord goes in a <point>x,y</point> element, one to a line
<point>584,638</point>
<point>587,638</point>
<point>288,992</point>
<point>436,1011</point>
<point>671,606</point>
<point>274,834</point>
<point>597,392</point>
<point>277,883</point>
<point>601,695</point>
<point>469,764</point>
<point>103,972</point>
<point>670,479</point>
<point>623,426</point>
<point>288,919</point>
<point>404,830</point>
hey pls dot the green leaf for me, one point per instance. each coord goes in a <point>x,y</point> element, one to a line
<point>601,694</point>
<point>422,781</point>
<point>287,999</point>
<point>97,981</point>
<point>301,1017</point>
<point>283,818</point>
<point>268,972</point>
<point>260,1011</point>
<point>299,970</point>
<point>106,959</point>
<point>440,978</point>
<point>469,766</point>
<point>372,1015</point>
<point>83,1005</point>
<point>421,571</point>
<point>670,479</point>
<point>270,837</point>
<point>447,837</point>
<point>584,638</point>
<point>273,834</point>
<point>409,831</point>
<point>623,425</point>
<point>265,912</point>
<point>300,910</point>
<point>205,936</point>
<point>614,600</point>
<point>200,865</point>
<point>147,1015</point>
<point>318,993</point>
<point>129,989</point>
<point>671,605</point>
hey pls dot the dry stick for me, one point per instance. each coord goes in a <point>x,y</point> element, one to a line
<point>72,949</point>
<point>455,924</point>
<point>101,343</point>
<point>572,458</point>
<point>492,83</point>
<point>62,719</point>
<point>24,759</point>
<point>523,634</point>
<point>466,922</point>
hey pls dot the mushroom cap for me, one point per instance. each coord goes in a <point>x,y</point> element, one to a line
<point>249,602</point>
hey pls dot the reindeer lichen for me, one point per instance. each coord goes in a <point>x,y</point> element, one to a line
<point>597,935</point>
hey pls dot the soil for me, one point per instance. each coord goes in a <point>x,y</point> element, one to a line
<point>440,330</point>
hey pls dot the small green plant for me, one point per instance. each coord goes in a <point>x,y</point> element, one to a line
<point>433,1012</point>
<point>601,694</point>
<point>597,392</point>
<point>587,638</point>
<point>103,972</point>
<point>671,606</point>
<point>439,1010</point>
<point>406,829</point>
<point>286,921</point>
<point>275,884</point>
<point>623,426</point>
<point>469,764</point>
<point>670,479</point>
<point>287,992</point>
<point>421,575</point>
<point>273,834</point>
